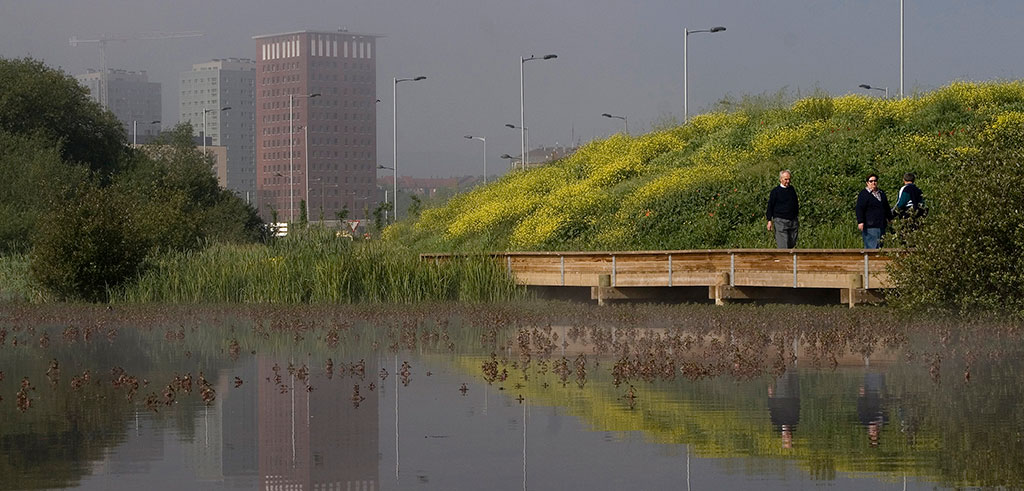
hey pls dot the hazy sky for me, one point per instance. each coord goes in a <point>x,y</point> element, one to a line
<point>618,57</point>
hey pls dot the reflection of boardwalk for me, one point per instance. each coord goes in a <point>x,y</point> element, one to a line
<point>316,439</point>
<point>727,273</point>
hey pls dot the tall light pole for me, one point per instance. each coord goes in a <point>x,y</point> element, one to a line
<point>394,130</point>
<point>225,108</point>
<point>868,87</point>
<point>380,166</point>
<point>686,34</point>
<point>291,153</point>
<point>511,160</point>
<point>135,131</point>
<point>901,49</point>
<point>522,104</point>
<point>305,166</point>
<point>523,159</point>
<point>471,137</point>
<point>625,122</point>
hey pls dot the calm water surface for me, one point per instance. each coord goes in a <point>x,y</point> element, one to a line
<point>499,398</point>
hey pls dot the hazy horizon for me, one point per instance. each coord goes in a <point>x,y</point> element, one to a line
<point>623,58</point>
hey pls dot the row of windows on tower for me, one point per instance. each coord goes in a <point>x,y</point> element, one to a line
<point>355,154</point>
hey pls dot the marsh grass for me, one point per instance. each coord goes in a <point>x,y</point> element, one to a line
<point>14,280</point>
<point>317,267</point>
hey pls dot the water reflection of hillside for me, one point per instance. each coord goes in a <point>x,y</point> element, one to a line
<point>834,392</point>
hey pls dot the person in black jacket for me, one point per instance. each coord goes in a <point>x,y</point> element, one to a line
<point>873,213</point>
<point>910,199</point>
<point>783,210</point>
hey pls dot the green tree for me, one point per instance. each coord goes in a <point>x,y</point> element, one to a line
<point>968,254</point>
<point>34,177</point>
<point>86,246</point>
<point>303,215</point>
<point>38,100</point>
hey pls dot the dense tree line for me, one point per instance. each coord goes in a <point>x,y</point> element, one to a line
<point>89,210</point>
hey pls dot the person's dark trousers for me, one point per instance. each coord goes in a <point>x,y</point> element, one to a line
<point>786,231</point>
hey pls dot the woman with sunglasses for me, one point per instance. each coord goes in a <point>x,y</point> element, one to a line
<point>873,213</point>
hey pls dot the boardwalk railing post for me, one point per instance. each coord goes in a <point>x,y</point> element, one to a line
<point>670,270</point>
<point>613,270</point>
<point>732,269</point>
<point>794,269</point>
<point>562,258</point>
<point>866,271</point>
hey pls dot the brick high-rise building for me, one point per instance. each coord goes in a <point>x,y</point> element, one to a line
<point>326,82</point>
<point>212,87</point>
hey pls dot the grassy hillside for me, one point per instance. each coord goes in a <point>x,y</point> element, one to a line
<point>705,184</point>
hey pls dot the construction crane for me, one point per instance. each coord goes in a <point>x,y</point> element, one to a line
<point>102,41</point>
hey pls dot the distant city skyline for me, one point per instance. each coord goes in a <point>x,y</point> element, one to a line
<point>621,58</point>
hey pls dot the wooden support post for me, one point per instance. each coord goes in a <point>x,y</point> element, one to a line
<point>603,281</point>
<point>720,285</point>
<point>856,281</point>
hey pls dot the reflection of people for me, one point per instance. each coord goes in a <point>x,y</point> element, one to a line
<point>873,213</point>
<point>869,405</point>
<point>784,405</point>
<point>783,212</point>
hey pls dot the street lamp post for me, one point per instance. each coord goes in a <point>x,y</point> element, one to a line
<point>686,34</point>
<point>868,87</point>
<point>471,137</point>
<point>511,160</point>
<point>523,159</point>
<point>901,49</point>
<point>305,166</point>
<point>625,123</point>
<point>322,192</point>
<point>380,166</point>
<point>291,153</point>
<point>394,130</point>
<point>225,108</point>
<point>135,131</point>
<point>522,104</point>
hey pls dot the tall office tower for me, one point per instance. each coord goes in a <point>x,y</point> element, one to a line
<point>224,90</point>
<point>316,103</point>
<point>133,99</point>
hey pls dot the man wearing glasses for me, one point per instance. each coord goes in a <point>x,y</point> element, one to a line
<point>782,213</point>
<point>873,213</point>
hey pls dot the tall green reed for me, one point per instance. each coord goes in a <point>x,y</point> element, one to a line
<point>317,267</point>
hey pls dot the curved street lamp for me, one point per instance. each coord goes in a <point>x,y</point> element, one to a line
<point>205,111</point>
<point>522,104</point>
<point>471,137</point>
<point>868,87</point>
<point>686,34</point>
<point>523,159</point>
<point>291,153</point>
<point>625,122</point>
<point>135,130</point>
<point>394,130</point>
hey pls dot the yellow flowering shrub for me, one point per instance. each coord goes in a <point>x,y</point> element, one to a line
<point>778,141</point>
<point>853,104</point>
<point>1007,131</point>
<point>701,183</point>
<point>571,206</point>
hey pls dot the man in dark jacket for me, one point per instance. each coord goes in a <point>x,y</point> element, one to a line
<point>873,213</point>
<point>782,213</point>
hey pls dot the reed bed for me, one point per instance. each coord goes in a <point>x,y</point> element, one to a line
<point>317,267</point>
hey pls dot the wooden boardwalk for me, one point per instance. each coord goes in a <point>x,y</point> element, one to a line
<point>858,274</point>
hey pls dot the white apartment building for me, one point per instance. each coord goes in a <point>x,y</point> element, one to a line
<point>223,90</point>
